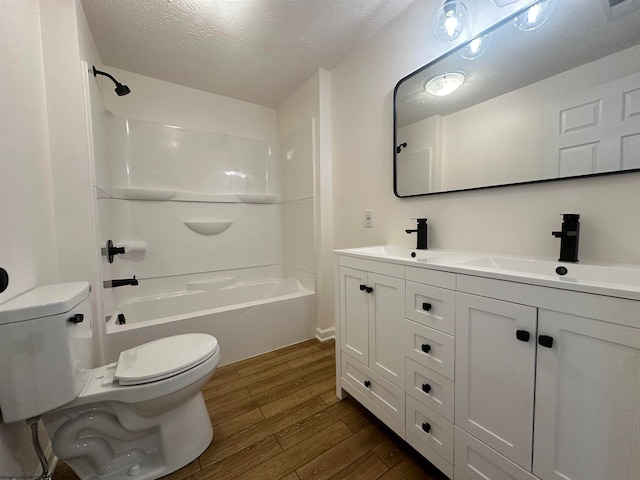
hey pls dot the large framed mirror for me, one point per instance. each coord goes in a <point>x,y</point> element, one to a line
<point>554,102</point>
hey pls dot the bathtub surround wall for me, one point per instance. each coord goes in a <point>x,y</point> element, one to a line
<point>307,211</point>
<point>511,220</point>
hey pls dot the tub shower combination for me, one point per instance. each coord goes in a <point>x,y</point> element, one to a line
<point>194,204</point>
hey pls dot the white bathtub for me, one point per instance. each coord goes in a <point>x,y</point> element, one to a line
<point>247,317</point>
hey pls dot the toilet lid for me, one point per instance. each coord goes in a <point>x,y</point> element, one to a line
<point>164,358</point>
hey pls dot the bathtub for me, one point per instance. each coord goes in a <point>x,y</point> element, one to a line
<point>248,317</point>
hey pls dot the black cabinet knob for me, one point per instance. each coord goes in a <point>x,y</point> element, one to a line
<point>426,388</point>
<point>426,348</point>
<point>523,335</point>
<point>369,290</point>
<point>426,428</point>
<point>545,341</point>
<point>367,383</point>
<point>4,280</point>
<point>426,306</point>
<point>363,287</point>
<point>77,318</point>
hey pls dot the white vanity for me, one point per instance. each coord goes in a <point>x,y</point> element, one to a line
<point>495,367</point>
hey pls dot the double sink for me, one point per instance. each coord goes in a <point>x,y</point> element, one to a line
<point>607,279</point>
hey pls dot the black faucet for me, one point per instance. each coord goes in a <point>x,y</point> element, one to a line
<point>120,282</point>
<point>421,230</point>
<point>569,237</point>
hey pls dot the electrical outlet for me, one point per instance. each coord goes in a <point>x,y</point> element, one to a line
<point>368,218</point>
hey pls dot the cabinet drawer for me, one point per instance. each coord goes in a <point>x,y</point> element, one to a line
<point>476,461</point>
<point>430,388</point>
<point>431,277</point>
<point>432,429</point>
<point>431,306</point>
<point>380,396</point>
<point>429,347</point>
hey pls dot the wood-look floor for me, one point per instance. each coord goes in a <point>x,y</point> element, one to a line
<point>276,416</point>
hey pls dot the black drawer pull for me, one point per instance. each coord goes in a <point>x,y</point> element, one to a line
<point>426,348</point>
<point>367,383</point>
<point>545,341</point>
<point>426,428</point>
<point>426,388</point>
<point>77,318</point>
<point>426,306</point>
<point>363,287</point>
<point>523,335</point>
<point>369,290</point>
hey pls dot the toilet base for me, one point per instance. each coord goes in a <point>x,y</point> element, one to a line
<point>115,440</point>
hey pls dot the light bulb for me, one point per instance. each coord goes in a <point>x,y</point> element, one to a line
<point>535,16</point>
<point>445,83</point>
<point>449,20</point>
<point>476,47</point>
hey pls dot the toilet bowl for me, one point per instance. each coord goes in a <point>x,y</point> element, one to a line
<point>141,417</point>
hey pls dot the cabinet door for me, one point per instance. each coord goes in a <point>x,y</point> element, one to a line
<point>587,423</point>
<point>354,314</point>
<point>386,319</point>
<point>495,374</point>
<point>475,461</point>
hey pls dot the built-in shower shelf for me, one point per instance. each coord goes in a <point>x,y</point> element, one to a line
<point>259,198</point>
<point>137,193</point>
<point>208,227</point>
<point>143,193</point>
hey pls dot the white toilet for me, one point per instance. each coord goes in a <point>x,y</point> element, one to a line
<point>142,417</point>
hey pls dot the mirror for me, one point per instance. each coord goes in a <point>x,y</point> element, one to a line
<point>558,101</point>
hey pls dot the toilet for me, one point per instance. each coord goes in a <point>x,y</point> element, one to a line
<point>141,417</point>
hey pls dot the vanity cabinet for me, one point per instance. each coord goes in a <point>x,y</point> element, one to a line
<point>583,373</point>
<point>492,379</point>
<point>429,348</point>
<point>371,311</point>
<point>495,372</point>
<point>587,416</point>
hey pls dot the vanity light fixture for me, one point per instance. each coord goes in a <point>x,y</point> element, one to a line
<point>450,20</point>
<point>445,83</point>
<point>476,47</point>
<point>535,16</point>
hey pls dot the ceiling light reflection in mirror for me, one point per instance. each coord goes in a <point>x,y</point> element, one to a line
<point>445,84</point>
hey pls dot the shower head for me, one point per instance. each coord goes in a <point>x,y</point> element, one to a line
<point>120,88</point>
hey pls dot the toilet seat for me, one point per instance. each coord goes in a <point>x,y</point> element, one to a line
<point>163,358</point>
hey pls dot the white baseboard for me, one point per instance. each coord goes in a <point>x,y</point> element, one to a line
<point>326,334</point>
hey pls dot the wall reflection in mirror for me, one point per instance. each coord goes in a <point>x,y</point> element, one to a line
<point>525,102</point>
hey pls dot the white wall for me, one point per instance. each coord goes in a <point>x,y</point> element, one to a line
<point>27,234</point>
<point>168,103</point>
<point>516,220</point>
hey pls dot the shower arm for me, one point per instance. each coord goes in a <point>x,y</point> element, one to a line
<point>98,72</point>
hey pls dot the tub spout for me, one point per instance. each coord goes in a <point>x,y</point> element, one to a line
<point>119,282</point>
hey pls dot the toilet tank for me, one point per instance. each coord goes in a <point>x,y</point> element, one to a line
<point>45,349</point>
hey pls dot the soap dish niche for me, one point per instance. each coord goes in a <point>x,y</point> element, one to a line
<point>208,227</point>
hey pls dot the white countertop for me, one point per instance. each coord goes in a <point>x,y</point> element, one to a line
<point>615,280</point>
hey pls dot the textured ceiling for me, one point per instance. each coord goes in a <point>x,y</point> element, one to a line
<point>259,51</point>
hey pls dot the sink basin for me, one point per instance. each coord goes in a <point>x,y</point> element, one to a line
<point>394,251</point>
<point>569,272</point>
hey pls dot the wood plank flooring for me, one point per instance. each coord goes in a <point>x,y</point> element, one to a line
<point>276,416</point>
